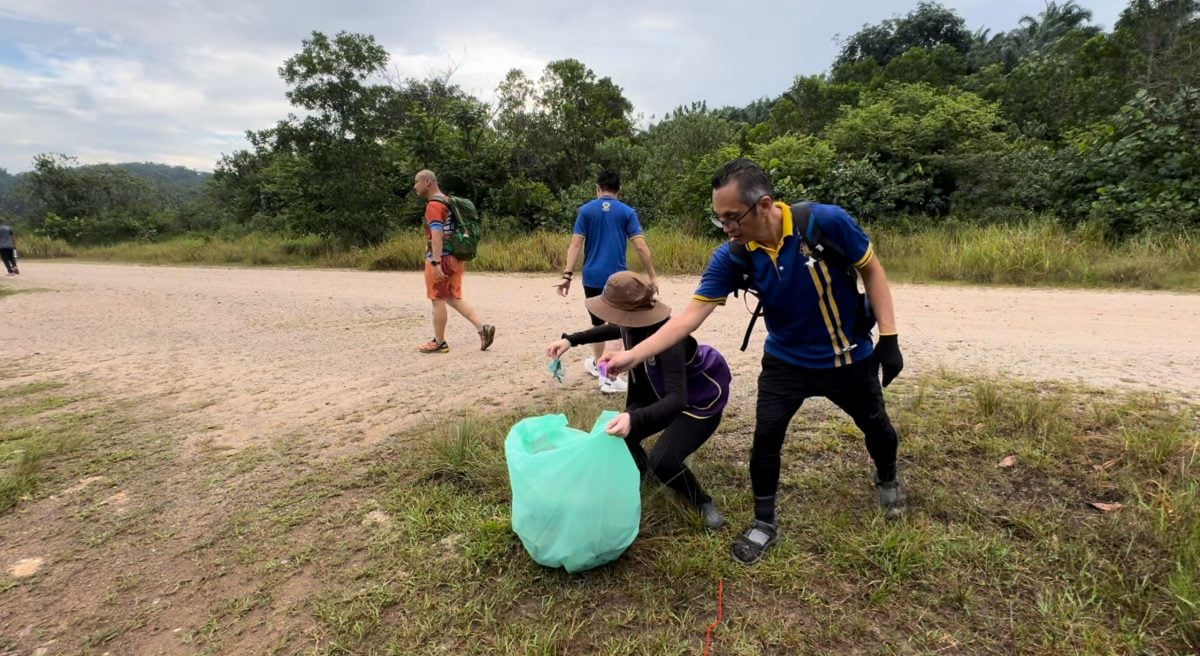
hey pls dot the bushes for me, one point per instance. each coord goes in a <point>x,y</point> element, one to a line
<point>106,228</point>
<point>1143,164</point>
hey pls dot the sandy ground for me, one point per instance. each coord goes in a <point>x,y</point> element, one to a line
<point>252,354</point>
<point>326,361</point>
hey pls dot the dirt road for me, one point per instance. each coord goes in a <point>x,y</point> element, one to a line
<point>254,353</point>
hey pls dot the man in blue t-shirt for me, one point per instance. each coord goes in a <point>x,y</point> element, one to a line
<point>819,330</point>
<point>603,229</point>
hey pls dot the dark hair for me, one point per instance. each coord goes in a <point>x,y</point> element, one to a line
<point>753,182</point>
<point>609,181</point>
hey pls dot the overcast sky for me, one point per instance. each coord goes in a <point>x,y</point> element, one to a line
<point>180,81</point>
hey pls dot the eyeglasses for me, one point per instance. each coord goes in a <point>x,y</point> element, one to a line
<point>734,223</point>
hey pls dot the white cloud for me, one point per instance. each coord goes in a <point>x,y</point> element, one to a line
<point>657,22</point>
<point>480,61</point>
<point>181,80</point>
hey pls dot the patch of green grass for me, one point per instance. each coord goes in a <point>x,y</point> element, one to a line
<point>992,559</point>
<point>25,443</point>
<point>38,405</point>
<point>4,291</point>
<point>42,441</point>
<point>408,547</point>
<point>15,391</point>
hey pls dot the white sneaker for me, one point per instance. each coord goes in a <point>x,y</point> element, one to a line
<point>589,365</point>
<point>616,386</point>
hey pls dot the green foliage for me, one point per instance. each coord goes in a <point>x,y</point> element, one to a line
<point>1081,79</point>
<point>872,190</point>
<point>1144,165</point>
<point>928,26</point>
<point>1165,38</point>
<point>681,155</point>
<point>687,202</point>
<point>580,112</point>
<point>796,164</point>
<point>942,66</point>
<point>899,144</point>
<point>917,118</point>
<point>1021,179</point>
<point>105,228</point>
<point>521,205</point>
<point>913,122</point>
<point>328,78</point>
<point>812,103</point>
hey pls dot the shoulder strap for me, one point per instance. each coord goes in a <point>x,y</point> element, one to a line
<point>808,230</point>
<point>449,205</point>
<point>802,227</point>
<point>741,254</point>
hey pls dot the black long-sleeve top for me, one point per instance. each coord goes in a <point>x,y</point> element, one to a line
<point>645,406</point>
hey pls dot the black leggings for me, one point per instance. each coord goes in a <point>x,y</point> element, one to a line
<point>782,387</point>
<point>10,262</point>
<point>589,292</point>
<point>680,439</point>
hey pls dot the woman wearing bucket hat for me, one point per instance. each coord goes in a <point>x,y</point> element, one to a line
<point>682,392</point>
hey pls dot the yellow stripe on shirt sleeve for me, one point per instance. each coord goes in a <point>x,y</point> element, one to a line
<point>866,257</point>
<point>705,299</point>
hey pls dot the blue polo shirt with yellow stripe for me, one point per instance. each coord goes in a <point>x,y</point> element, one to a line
<point>809,307</point>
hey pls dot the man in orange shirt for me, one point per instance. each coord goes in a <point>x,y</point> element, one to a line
<point>443,271</point>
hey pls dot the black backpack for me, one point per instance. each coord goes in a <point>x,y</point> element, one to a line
<point>820,250</point>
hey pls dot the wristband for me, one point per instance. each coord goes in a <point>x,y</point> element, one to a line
<point>435,262</point>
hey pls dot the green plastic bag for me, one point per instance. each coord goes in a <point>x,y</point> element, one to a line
<point>576,496</point>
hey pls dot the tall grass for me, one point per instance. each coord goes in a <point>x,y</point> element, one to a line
<point>1036,253</point>
<point>44,247</point>
<point>1041,253</point>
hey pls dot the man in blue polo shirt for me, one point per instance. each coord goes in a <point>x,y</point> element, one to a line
<point>819,341</point>
<point>603,229</point>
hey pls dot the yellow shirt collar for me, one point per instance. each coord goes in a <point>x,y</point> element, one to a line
<point>786,228</point>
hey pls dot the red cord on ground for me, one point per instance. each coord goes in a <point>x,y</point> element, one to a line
<point>720,605</point>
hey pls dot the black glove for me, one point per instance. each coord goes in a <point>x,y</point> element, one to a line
<point>887,354</point>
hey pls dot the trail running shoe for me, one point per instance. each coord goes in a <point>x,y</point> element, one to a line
<point>891,498</point>
<point>434,346</point>
<point>487,335</point>
<point>754,543</point>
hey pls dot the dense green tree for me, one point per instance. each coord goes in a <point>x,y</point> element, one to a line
<point>1083,78</point>
<point>811,103</point>
<point>579,111</point>
<point>917,115</point>
<point>912,134</point>
<point>928,26</point>
<point>673,149</point>
<point>1165,34</point>
<point>942,66</point>
<point>1143,165</point>
<point>326,173</point>
<point>93,204</point>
